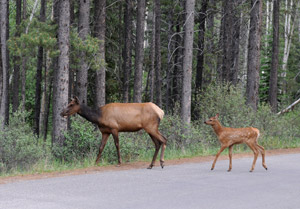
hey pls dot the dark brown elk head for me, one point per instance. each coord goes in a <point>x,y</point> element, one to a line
<point>72,108</point>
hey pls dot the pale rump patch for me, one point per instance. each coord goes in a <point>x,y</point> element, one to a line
<point>159,111</point>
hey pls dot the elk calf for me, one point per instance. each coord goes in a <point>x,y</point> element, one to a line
<point>231,136</point>
<point>122,117</point>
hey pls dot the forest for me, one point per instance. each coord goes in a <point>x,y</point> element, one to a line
<point>192,58</point>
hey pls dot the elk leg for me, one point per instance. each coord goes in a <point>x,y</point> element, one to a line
<point>230,157</point>
<point>157,146</point>
<point>102,145</point>
<point>255,151</point>
<point>217,155</point>
<point>262,150</point>
<point>162,140</point>
<point>115,134</point>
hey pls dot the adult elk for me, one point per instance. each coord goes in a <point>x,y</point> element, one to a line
<point>231,136</point>
<point>122,117</point>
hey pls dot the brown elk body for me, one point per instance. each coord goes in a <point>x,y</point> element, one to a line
<point>122,117</point>
<point>231,136</point>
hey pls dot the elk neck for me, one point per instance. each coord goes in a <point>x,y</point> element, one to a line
<point>89,113</point>
<point>217,127</point>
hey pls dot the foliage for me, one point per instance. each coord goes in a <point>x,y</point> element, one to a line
<point>41,34</point>
<point>19,148</point>
<point>81,142</point>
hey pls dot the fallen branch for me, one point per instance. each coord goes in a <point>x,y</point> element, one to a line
<point>289,107</point>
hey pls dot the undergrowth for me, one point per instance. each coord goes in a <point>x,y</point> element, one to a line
<point>21,151</point>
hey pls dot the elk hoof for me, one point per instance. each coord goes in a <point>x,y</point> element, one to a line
<point>212,168</point>
<point>228,170</point>
<point>162,164</point>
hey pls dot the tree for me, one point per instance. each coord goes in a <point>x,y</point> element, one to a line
<point>99,32</point>
<point>83,31</point>
<point>157,62</point>
<point>127,49</point>
<point>275,52</point>
<point>200,54</point>
<point>4,108</point>
<point>39,70</point>
<point>16,74</point>
<point>139,51</point>
<point>62,73</point>
<point>254,54</point>
<point>187,62</point>
<point>227,40</point>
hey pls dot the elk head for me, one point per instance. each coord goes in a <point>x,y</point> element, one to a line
<point>72,108</point>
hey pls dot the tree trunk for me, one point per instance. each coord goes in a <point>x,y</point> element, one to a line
<point>177,73</point>
<point>275,53</point>
<point>39,70</point>
<point>1,73</point>
<point>209,61</point>
<point>152,58</point>
<point>170,65</point>
<point>45,92</point>
<point>158,80</point>
<point>187,62</point>
<point>16,76</point>
<point>83,31</point>
<point>254,54</point>
<point>227,40</point>
<point>4,109</point>
<point>127,49</point>
<point>139,51</point>
<point>200,54</point>
<point>62,75</point>
<point>290,20</point>
<point>233,76</point>
<point>99,32</point>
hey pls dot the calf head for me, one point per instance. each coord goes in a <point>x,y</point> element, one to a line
<point>211,121</point>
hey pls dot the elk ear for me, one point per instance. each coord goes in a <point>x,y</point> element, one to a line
<point>76,100</point>
<point>217,115</point>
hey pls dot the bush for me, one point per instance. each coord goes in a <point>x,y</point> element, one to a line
<point>81,141</point>
<point>19,147</point>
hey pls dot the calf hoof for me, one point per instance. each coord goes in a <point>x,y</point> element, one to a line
<point>228,170</point>
<point>162,163</point>
<point>150,166</point>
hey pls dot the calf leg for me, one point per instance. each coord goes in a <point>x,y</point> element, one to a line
<point>262,150</point>
<point>255,151</point>
<point>103,143</point>
<point>217,155</point>
<point>230,157</point>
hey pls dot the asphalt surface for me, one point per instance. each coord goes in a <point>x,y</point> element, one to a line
<point>179,186</point>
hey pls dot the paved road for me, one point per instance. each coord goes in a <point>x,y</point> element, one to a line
<point>180,186</point>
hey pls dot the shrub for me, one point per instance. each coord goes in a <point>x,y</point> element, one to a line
<point>19,148</point>
<point>81,141</point>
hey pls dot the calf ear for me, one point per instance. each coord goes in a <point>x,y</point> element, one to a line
<point>217,115</point>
